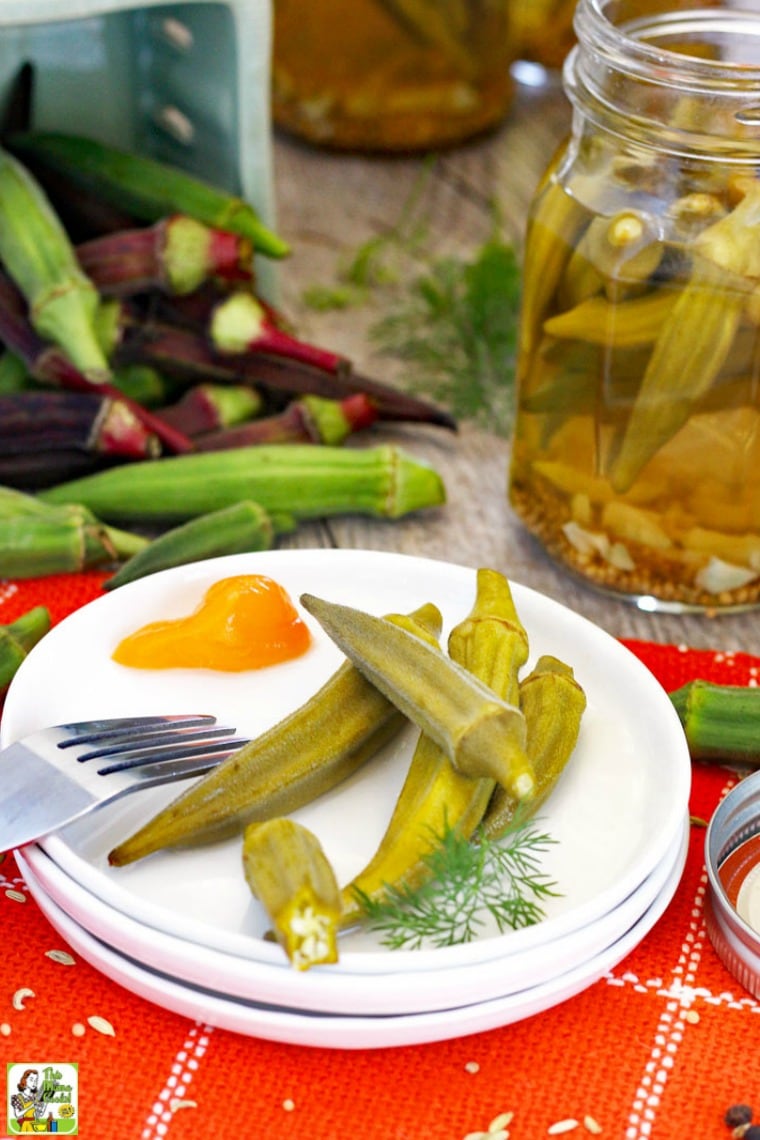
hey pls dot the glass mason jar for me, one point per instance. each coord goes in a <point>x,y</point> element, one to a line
<point>390,75</point>
<point>636,458</point>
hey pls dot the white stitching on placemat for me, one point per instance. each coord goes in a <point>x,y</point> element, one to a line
<point>670,1027</point>
<point>673,1023</point>
<point>184,1067</point>
<point>7,590</point>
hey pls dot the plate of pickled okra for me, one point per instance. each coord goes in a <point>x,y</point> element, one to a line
<point>448,744</point>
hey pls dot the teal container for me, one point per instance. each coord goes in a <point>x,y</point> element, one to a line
<point>184,83</point>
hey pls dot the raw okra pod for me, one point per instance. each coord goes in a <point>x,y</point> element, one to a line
<point>721,722</point>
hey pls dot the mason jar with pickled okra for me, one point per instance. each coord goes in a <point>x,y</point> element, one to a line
<point>391,75</point>
<point>636,455</point>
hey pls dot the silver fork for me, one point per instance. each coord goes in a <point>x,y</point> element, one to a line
<point>58,774</point>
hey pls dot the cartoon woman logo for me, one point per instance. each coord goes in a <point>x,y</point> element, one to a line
<point>29,1104</point>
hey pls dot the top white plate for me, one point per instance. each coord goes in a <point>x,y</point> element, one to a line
<point>617,808</point>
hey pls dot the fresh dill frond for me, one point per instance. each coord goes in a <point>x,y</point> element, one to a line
<point>456,327</point>
<point>469,883</point>
<point>451,320</point>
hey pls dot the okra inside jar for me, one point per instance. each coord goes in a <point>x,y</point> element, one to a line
<point>636,457</point>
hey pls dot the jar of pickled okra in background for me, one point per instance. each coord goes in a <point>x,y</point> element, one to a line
<point>542,32</point>
<point>390,75</point>
<point>636,457</point>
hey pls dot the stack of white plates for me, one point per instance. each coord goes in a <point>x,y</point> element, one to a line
<point>181,928</point>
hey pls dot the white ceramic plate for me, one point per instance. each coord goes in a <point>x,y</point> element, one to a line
<point>615,812</point>
<point>338,1032</point>
<point>330,991</point>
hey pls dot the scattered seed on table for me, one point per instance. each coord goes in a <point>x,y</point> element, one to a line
<point>176,1103</point>
<point>288,1105</point>
<point>503,1120</point>
<point>5,1029</point>
<point>472,1067</point>
<point>562,1126</point>
<point>15,896</point>
<point>101,1025</point>
<point>77,1029</point>
<point>691,1016</point>
<point>20,997</point>
<point>61,956</point>
<point>592,1125</point>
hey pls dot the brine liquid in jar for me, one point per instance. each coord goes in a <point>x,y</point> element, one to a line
<point>636,457</point>
<point>390,75</point>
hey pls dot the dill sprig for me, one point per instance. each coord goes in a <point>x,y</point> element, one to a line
<point>451,320</point>
<point>468,882</point>
<point>456,327</point>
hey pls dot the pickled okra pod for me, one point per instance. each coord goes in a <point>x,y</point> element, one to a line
<point>696,337</point>
<point>634,323</point>
<point>553,704</point>
<point>481,734</point>
<point>288,872</point>
<point>492,644</point>
<point>615,255</point>
<point>556,220</point>
<point>298,759</point>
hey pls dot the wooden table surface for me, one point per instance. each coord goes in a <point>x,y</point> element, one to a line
<point>329,204</point>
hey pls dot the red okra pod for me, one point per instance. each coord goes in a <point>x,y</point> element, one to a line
<point>59,421</point>
<point>47,363</point>
<point>185,352</point>
<point>310,419</point>
<point>176,254</point>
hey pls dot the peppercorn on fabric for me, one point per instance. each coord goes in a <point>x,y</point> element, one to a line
<point>666,1042</point>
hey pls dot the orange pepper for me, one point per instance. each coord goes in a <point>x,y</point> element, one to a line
<point>244,622</point>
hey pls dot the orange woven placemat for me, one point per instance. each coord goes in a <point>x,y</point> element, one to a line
<point>662,1045</point>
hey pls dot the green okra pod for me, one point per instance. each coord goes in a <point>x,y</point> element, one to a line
<point>299,480</point>
<point>59,542</point>
<point>147,188</point>
<point>37,254</point>
<point>481,734</point>
<point>237,529</point>
<point>721,722</point>
<point>17,638</point>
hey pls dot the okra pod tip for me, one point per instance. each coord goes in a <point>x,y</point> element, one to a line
<point>481,734</point>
